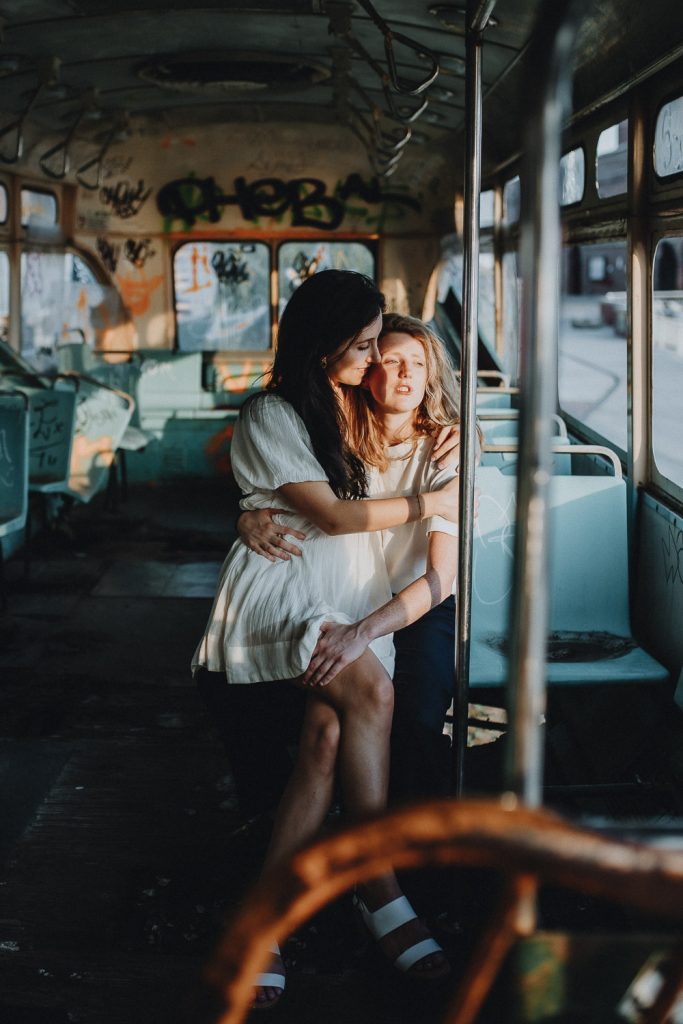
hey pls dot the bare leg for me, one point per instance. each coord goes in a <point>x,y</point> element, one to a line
<point>304,803</point>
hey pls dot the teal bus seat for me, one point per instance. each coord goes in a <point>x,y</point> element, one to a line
<point>495,397</point>
<point>590,638</point>
<point>103,414</point>
<point>14,447</point>
<point>504,423</point>
<point>503,452</point>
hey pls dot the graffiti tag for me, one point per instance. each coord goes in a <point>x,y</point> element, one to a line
<point>125,199</point>
<point>672,551</point>
<point>109,254</point>
<point>138,251</point>
<point>306,200</point>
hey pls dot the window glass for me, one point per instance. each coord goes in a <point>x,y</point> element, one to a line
<point>667,358</point>
<point>298,260</point>
<point>62,303</point>
<point>222,296</point>
<point>486,209</point>
<point>611,160</point>
<point>512,199</point>
<point>668,152</point>
<point>511,319</point>
<point>487,296</point>
<point>4,296</point>
<point>572,177</point>
<point>39,208</point>
<point>593,332</point>
<point>4,204</point>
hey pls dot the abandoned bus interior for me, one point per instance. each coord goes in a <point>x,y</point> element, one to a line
<point>170,173</point>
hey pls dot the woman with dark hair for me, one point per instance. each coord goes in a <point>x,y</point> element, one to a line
<point>289,449</point>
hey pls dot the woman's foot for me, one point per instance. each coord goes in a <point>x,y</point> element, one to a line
<point>270,985</point>
<point>402,937</point>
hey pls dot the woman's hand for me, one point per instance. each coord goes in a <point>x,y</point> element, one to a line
<point>337,647</point>
<point>265,537</point>
<point>447,447</point>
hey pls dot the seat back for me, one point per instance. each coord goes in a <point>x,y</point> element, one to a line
<point>102,415</point>
<point>14,444</point>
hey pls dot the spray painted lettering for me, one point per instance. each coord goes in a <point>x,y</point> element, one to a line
<point>125,200</point>
<point>138,251</point>
<point>672,550</point>
<point>305,199</point>
<point>109,254</point>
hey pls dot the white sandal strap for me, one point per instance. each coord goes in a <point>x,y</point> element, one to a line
<point>270,981</point>
<point>389,917</point>
<point>417,952</point>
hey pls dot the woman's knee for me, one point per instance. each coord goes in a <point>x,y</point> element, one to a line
<point>374,691</point>
<point>320,740</point>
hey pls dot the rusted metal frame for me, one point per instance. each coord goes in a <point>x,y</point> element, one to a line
<point>468,392</point>
<point>639,319</point>
<point>659,1012</point>
<point>422,51</point>
<point>550,97</point>
<point>510,922</point>
<point>62,146</point>
<point>18,126</point>
<point>98,160</point>
<point>518,840</point>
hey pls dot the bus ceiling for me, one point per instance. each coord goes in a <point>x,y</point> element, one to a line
<point>394,77</point>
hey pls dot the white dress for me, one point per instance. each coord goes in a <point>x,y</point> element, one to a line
<point>410,471</point>
<point>266,616</point>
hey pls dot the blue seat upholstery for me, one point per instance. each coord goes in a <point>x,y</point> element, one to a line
<point>590,633</point>
<point>14,445</point>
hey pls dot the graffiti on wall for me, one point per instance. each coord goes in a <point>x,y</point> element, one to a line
<point>305,201</point>
<point>125,199</point>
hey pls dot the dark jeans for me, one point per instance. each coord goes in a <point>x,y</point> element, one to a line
<point>259,723</point>
<point>423,681</point>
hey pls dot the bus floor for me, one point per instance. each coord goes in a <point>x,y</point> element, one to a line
<point>123,848</point>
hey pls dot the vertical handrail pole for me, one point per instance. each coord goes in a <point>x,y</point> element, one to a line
<point>468,394</point>
<point>549,98</point>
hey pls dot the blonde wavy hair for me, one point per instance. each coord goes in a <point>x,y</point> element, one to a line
<point>440,406</point>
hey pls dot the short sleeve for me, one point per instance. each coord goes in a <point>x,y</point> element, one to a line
<point>271,447</point>
<point>435,479</point>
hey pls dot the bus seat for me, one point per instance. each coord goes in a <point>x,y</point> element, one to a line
<point>103,414</point>
<point>503,452</point>
<point>495,398</point>
<point>590,636</point>
<point>504,423</point>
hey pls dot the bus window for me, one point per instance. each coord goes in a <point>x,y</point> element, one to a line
<point>62,302</point>
<point>667,358</point>
<point>668,150</point>
<point>4,296</point>
<point>298,260</point>
<point>572,177</point>
<point>38,208</point>
<point>222,296</point>
<point>487,295</point>
<point>511,305</point>
<point>4,204</point>
<point>593,332</point>
<point>486,209</point>
<point>512,198</point>
<point>611,160</point>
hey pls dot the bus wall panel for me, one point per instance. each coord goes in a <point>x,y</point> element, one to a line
<point>659,605</point>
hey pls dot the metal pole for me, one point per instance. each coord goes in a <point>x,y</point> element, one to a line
<point>549,98</point>
<point>468,392</point>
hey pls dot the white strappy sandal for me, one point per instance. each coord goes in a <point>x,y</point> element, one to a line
<point>391,916</point>
<point>270,979</point>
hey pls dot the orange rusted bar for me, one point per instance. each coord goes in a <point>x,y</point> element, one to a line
<point>515,916</point>
<point>517,840</point>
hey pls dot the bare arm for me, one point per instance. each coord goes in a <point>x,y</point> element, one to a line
<point>339,645</point>
<point>335,516</point>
